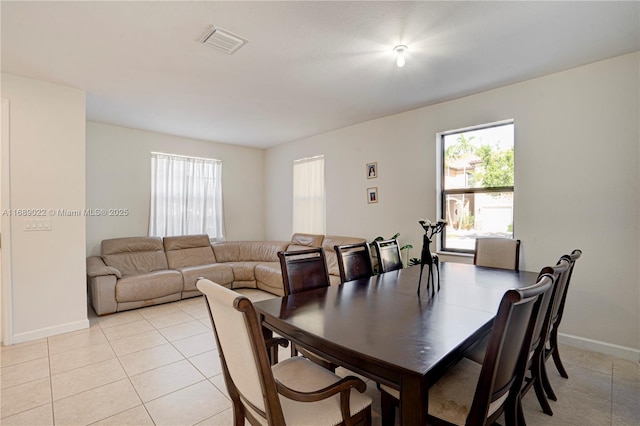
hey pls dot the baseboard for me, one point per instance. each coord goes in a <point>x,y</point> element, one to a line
<point>50,331</point>
<point>596,346</point>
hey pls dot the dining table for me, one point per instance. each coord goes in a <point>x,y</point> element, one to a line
<point>380,328</point>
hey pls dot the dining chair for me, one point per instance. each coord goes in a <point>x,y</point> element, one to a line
<point>536,375</point>
<point>304,270</point>
<point>354,261</point>
<point>388,254</point>
<point>292,391</point>
<point>557,309</point>
<point>477,394</point>
<point>497,253</point>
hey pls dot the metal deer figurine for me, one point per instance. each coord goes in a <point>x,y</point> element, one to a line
<point>426,258</point>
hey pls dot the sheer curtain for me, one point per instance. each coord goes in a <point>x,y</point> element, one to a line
<point>309,196</point>
<point>186,196</point>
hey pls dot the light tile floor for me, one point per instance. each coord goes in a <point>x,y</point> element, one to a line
<point>159,366</point>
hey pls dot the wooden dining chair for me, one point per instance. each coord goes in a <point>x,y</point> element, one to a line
<point>354,261</point>
<point>557,309</point>
<point>535,370</point>
<point>497,253</point>
<point>477,394</point>
<point>388,254</point>
<point>304,270</point>
<point>536,375</point>
<point>291,392</point>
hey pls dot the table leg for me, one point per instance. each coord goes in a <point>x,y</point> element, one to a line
<point>272,346</point>
<point>414,402</point>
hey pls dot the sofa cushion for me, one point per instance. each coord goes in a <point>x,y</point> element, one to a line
<point>220,273</point>
<point>244,271</point>
<point>329,242</point>
<point>188,250</point>
<point>152,285</point>
<point>134,255</point>
<point>307,240</point>
<point>248,251</point>
<point>269,278</point>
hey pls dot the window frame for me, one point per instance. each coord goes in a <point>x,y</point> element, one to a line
<point>443,193</point>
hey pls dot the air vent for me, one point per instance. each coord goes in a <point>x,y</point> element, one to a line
<point>223,40</point>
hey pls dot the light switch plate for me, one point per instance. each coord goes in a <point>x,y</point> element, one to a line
<point>37,225</point>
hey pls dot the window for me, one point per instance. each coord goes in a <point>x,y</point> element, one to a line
<point>186,196</point>
<point>309,196</point>
<point>477,170</point>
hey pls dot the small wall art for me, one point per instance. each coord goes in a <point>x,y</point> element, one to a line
<point>372,170</point>
<point>372,195</point>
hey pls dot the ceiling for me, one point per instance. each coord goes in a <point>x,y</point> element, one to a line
<point>309,67</point>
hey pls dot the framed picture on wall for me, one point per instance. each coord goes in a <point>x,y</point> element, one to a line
<point>372,170</point>
<point>372,195</point>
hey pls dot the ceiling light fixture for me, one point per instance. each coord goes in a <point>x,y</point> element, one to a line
<point>400,49</point>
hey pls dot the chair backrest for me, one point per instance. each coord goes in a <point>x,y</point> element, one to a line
<point>557,307</point>
<point>497,253</point>
<point>541,329</point>
<point>388,253</point>
<point>303,270</point>
<point>505,359</point>
<point>354,261</point>
<point>243,353</point>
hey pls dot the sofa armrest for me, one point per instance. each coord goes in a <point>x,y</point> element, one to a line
<point>102,293</point>
<point>96,268</point>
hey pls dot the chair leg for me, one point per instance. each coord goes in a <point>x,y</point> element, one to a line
<point>366,417</point>
<point>553,340</point>
<point>388,408</point>
<point>546,384</point>
<point>294,351</point>
<point>436,261</point>
<point>512,412</point>
<point>521,420</point>
<point>238,415</point>
<point>542,397</point>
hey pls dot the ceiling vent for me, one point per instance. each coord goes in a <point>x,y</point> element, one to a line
<point>223,40</point>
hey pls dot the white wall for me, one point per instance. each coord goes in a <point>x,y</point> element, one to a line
<point>119,176</point>
<point>576,183</point>
<point>47,162</point>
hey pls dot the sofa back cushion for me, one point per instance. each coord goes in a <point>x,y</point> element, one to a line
<point>188,250</point>
<point>300,241</point>
<point>134,255</point>
<point>249,251</point>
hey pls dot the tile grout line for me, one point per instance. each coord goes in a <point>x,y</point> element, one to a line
<point>184,358</point>
<point>126,375</point>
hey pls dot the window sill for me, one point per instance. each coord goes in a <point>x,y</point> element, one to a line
<point>454,254</point>
<point>448,256</point>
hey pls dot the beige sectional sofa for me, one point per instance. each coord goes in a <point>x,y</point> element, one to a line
<point>134,272</point>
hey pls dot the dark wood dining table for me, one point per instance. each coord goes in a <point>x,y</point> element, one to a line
<point>378,327</point>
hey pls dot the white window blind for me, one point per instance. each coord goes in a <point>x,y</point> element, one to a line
<point>309,211</point>
<point>186,196</point>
